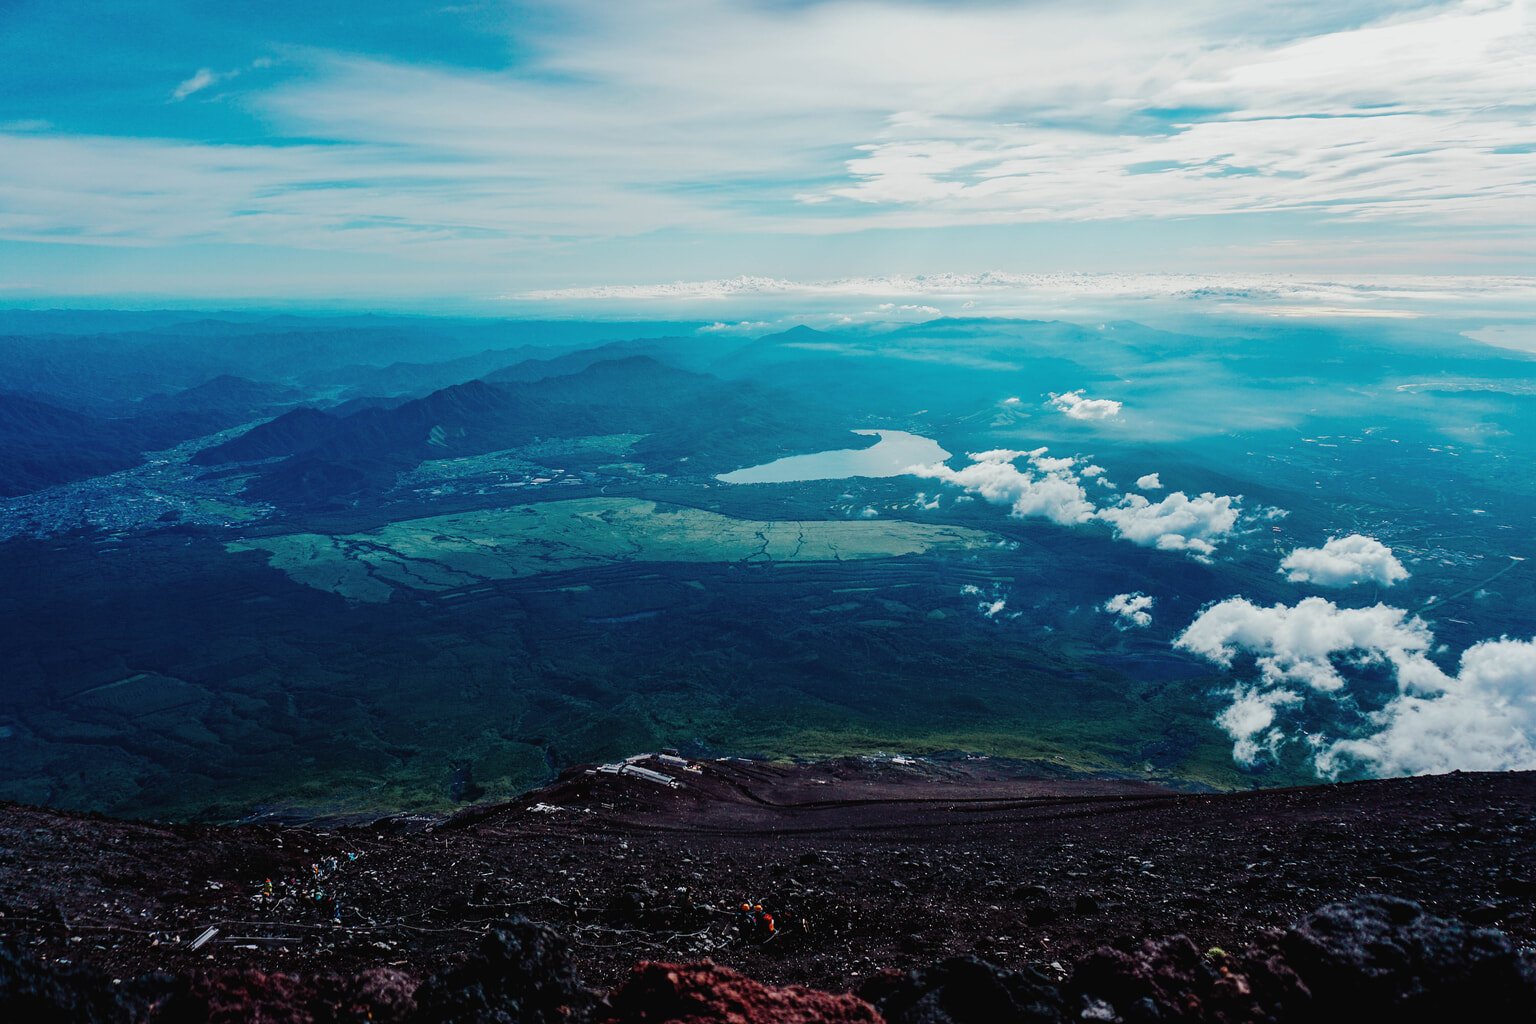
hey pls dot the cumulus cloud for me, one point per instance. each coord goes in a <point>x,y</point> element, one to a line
<point>1132,609</point>
<point>1342,561</point>
<point>1053,494</point>
<point>1177,523</point>
<point>1097,475</point>
<point>1250,721</point>
<point>1297,645</point>
<point>1079,408</point>
<point>1311,654</point>
<point>1052,488</point>
<point>1150,482</point>
<point>1481,719</point>
<point>992,606</point>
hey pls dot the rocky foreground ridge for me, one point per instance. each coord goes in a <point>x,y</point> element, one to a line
<point>903,890</point>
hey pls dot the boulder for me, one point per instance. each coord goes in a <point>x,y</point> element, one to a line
<point>708,994</point>
<point>1170,979</point>
<point>521,973</point>
<point>965,990</point>
<point>1380,954</point>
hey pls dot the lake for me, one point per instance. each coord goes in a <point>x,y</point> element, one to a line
<point>895,453</point>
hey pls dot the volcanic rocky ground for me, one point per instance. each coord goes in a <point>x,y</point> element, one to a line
<point>867,865</point>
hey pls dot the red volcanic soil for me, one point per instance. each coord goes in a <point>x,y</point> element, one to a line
<point>864,864</point>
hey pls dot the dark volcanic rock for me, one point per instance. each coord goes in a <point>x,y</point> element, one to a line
<point>39,994</point>
<point>707,994</point>
<point>1380,954</point>
<point>1169,979</point>
<point>381,996</point>
<point>522,973</point>
<point>631,870</point>
<point>965,990</point>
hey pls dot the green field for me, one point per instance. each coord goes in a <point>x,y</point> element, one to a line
<point>448,552</point>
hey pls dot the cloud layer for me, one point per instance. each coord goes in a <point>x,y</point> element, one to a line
<point>1315,656</point>
<point>1348,294</point>
<point>1343,561</point>
<point>607,122</point>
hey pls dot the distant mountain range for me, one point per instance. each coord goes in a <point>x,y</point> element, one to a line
<point>87,392</point>
<point>42,444</point>
<point>685,415</point>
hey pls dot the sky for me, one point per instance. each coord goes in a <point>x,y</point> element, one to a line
<point>489,155</point>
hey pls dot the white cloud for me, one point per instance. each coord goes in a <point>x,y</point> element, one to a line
<point>740,327</point>
<point>1376,102</point>
<point>1481,718</point>
<point>1131,608</point>
<point>1342,561</point>
<point>1298,644</point>
<point>883,115</point>
<point>1177,523</point>
<point>1344,295</point>
<point>207,76</point>
<point>1079,408</point>
<point>202,80</point>
<point>1250,721</point>
<point>1056,494</point>
<point>1150,482</point>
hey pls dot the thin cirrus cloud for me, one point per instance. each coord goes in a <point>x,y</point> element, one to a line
<point>206,77</point>
<point>823,118</point>
<point>1413,115</point>
<point>198,82</point>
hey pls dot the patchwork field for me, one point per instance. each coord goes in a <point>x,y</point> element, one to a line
<point>452,551</point>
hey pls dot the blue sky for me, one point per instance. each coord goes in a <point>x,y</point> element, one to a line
<point>485,154</point>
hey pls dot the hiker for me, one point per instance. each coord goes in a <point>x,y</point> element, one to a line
<point>761,929</point>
